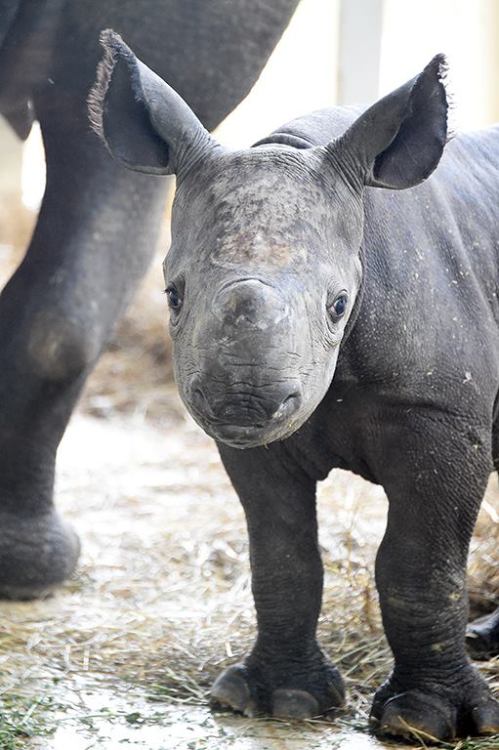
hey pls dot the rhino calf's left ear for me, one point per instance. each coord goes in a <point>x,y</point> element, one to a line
<point>400,139</point>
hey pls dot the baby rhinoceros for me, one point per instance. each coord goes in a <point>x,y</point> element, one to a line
<point>323,315</point>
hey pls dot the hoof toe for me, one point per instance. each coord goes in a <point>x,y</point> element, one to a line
<point>414,716</point>
<point>230,690</point>
<point>294,704</point>
<point>485,717</point>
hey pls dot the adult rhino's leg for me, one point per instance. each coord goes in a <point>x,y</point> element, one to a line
<point>286,674</point>
<point>95,234</point>
<point>482,636</point>
<point>434,471</point>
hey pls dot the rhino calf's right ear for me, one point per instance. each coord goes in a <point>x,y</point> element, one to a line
<point>143,122</point>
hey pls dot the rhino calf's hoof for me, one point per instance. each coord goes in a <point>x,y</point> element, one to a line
<point>231,690</point>
<point>467,708</point>
<point>252,691</point>
<point>294,704</point>
<point>36,554</point>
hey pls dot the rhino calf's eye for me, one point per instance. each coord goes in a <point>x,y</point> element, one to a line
<point>174,298</point>
<point>339,306</point>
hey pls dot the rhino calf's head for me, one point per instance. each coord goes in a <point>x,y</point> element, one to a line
<point>264,269</point>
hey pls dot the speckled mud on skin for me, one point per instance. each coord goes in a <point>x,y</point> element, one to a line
<point>124,655</point>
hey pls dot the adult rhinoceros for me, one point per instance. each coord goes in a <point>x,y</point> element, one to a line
<point>97,226</point>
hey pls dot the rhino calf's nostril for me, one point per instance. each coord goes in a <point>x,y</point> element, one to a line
<point>289,405</point>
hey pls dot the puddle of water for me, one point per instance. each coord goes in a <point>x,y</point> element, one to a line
<point>108,721</point>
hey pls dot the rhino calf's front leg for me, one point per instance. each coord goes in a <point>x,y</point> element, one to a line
<point>435,472</point>
<point>286,674</point>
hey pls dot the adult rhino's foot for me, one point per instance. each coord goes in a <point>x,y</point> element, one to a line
<point>434,712</point>
<point>36,554</point>
<point>482,636</point>
<point>292,690</point>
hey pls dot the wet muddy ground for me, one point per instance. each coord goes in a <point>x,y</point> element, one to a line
<point>123,655</point>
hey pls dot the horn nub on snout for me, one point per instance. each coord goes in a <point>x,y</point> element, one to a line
<point>249,304</point>
<point>143,122</point>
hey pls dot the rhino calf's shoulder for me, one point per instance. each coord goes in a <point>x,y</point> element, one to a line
<point>331,306</point>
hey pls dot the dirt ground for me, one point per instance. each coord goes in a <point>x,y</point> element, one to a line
<point>124,654</point>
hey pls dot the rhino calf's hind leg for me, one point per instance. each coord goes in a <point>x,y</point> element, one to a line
<point>94,237</point>
<point>286,674</point>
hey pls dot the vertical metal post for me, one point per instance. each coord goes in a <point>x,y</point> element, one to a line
<point>361,27</point>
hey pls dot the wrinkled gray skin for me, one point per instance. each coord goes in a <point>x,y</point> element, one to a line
<point>97,227</point>
<point>266,245</point>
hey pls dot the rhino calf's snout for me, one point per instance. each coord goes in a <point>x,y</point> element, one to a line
<point>242,392</point>
<point>243,408</point>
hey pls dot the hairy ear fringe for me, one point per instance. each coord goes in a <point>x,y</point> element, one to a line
<point>441,68</point>
<point>444,80</point>
<point>114,47</point>
<point>97,94</point>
